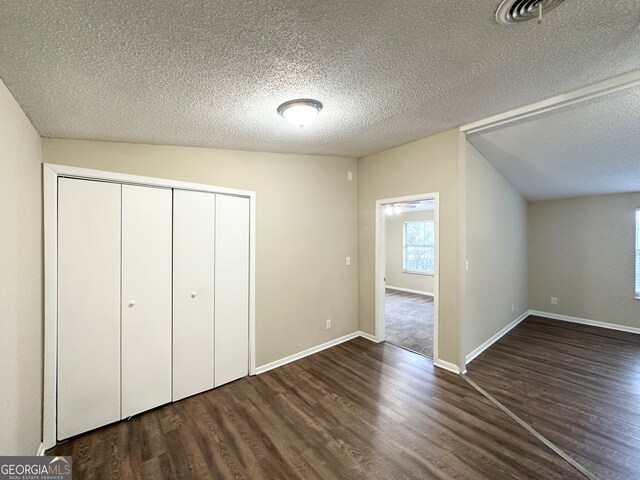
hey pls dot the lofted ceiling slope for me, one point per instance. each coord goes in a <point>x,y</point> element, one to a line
<point>212,73</point>
<point>589,148</point>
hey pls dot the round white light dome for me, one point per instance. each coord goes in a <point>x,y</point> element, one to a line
<point>300,112</point>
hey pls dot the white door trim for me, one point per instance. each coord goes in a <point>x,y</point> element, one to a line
<point>381,254</point>
<point>51,172</point>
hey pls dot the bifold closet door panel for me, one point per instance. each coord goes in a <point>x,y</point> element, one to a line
<point>146,298</point>
<point>193,292</point>
<point>88,368</point>
<point>232,289</point>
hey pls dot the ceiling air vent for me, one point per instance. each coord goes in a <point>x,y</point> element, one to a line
<point>516,11</point>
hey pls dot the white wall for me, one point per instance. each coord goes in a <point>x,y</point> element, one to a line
<point>394,275</point>
<point>581,250</point>
<point>307,224</point>
<point>424,166</point>
<point>20,281</point>
<point>495,229</point>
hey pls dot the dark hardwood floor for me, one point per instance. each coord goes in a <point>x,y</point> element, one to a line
<point>579,386</point>
<point>357,410</point>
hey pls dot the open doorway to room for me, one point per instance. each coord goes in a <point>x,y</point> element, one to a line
<point>407,272</point>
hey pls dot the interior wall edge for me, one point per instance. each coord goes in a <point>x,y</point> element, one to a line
<point>21,297</point>
<point>448,366</point>
<point>462,162</point>
<point>494,264</point>
<point>481,348</point>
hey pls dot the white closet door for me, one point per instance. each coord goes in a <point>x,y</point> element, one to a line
<point>88,305</point>
<point>146,298</point>
<point>193,292</point>
<point>232,289</point>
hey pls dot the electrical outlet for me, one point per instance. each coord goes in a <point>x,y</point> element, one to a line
<point>349,176</point>
<point>513,307</point>
<point>554,300</point>
<point>347,261</point>
<point>328,324</point>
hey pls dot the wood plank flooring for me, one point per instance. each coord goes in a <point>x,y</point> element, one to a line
<point>577,385</point>
<point>358,410</point>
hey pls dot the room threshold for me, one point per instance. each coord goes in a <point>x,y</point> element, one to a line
<point>548,443</point>
<point>409,350</point>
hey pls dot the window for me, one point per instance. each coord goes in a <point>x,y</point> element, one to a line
<point>638,253</point>
<point>418,247</point>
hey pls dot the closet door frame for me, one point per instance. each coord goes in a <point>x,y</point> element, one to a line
<point>51,173</point>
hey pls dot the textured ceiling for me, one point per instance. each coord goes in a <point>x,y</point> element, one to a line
<point>211,73</point>
<point>589,148</point>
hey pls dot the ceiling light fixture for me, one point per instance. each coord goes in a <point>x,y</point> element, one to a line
<point>300,112</point>
<point>397,208</point>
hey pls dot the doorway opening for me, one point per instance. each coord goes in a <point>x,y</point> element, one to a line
<point>407,272</point>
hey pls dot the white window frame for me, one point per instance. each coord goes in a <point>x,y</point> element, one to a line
<point>404,246</point>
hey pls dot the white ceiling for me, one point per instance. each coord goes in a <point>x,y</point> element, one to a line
<point>589,148</point>
<point>211,73</point>
<point>419,206</point>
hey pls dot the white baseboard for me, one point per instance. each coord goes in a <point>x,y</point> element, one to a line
<point>306,353</point>
<point>552,316</point>
<point>477,351</point>
<point>446,366</point>
<point>368,336</point>
<point>40,452</point>
<point>408,290</point>
<point>584,321</point>
<point>438,363</point>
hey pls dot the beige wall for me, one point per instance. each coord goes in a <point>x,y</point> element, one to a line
<point>306,226</point>
<point>394,275</point>
<point>581,250</point>
<point>424,166</point>
<point>496,248</point>
<point>20,282</point>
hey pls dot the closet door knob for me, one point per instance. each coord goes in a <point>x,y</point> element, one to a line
<point>132,303</point>
<point>193,294</point>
